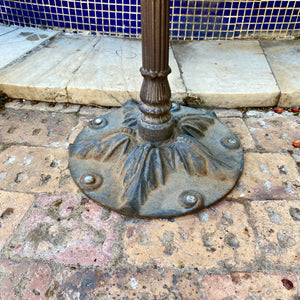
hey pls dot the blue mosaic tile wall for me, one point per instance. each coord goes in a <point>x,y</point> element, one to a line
<point>190,19</point>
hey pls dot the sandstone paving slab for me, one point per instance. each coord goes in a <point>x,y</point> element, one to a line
<point>284,59</point>
<point>43,106</point>
<point>239,128</point>
<point>36,128</point>
<point>219,236</point>
<point>250,286</point>
<point>67,229</point>
<point>278,226</point>
<point>16,43</point>
<point>267,176</point>
<point>275,133</point>
<point>44,75</point>
<point>24,280</point>
<point>226,74</point>
<point>35,170</point>
<point>13,207</point>
<point>110,75</point>
<point>124,284</point>
<point>296,155</point>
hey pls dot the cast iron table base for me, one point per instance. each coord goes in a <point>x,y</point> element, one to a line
<point>198,165</point>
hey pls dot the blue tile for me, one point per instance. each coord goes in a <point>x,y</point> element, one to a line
<point>193,18</point>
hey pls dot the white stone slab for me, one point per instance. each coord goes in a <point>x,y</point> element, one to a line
<point>16,43</point>
<point>110,75</point>
<point>44,75</point>
<point>284,60</point>
<point>227,74</point>
<point>6,29</point>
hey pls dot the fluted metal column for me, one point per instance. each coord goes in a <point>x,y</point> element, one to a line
<point>156,122</point>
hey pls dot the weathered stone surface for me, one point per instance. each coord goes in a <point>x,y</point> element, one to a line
<point>266,113</point>
<point>68,230</point>
<point>36,128</point>
<point>84,120</point>
<point>278,226</point>
<point>43,106</point>
<point>24,280</point>
<point>115,78</point>
<point>45,74</point>
<point>226,74</point>
<point>276,133</point>
<point>248,286</point>
<point>94,111</point>
<point>125,284</point>
<point>284,59</point>
<point>13,206</point>
<point>82,123</point>
<point>228,113</point>
<point>267,176</point>
<point>239,128</point>
<point>6,29</point>
<point>16,43</point>
<point>218,236</point>
<point>35,169</point>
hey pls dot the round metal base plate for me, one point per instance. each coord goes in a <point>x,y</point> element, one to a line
<point>196,167</point>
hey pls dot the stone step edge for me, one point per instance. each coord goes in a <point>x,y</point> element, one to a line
<point>182,98</point>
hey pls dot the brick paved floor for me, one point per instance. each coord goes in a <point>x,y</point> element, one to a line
<point>57,244</point>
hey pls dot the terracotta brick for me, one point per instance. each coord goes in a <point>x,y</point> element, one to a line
<point>239,128</point>
<point>13,207</point>
<point>51,107</point>
<point>227,113</point>
<point>218,236</point>
<point>82,123</point>
<point>36,128</point>
<point>35,169</point>
<point>276,133</point>
<point>278,226</point>
<point>266,113</point>
<point>23,280</point>
<point>248,286</point>
<point>267,176</point>
<point>93,111</point>
<point>125,284</point>
<point>88,114</point>
<point>68,230</point>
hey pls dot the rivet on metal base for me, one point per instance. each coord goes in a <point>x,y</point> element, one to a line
<point>90,181</point>
<point>190,198</point>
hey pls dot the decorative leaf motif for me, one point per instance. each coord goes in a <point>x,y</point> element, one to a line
<point>188,155</point>
<point>143,171</point>
<point>193,156</point>
<point>145,166</point>
<point>130,114</point>
<point>195,125</point>
<point>105,146</point>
